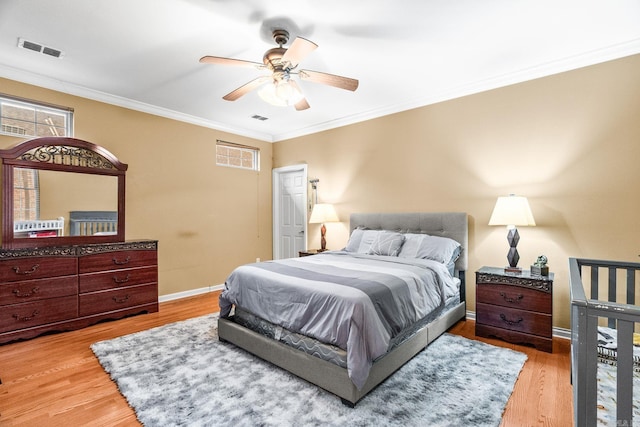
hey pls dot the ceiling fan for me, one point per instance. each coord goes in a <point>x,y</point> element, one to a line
<point>279,87</point>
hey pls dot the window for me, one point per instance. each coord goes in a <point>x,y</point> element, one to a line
<point>29,118</point>
<point>26,195</point>
<point>237,156</point>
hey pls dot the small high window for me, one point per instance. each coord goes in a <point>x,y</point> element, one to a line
<point>237,156</point>
<point>23,117</point>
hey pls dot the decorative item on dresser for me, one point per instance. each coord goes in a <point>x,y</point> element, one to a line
<point>516,307</point>
<point>62,280</point>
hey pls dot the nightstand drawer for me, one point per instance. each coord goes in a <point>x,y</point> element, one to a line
<point>514,297</point>
<point>514,319</point>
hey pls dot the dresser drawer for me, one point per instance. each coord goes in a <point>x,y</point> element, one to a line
<point>91,282</point>
<point>117,260</point>
<point>12,270</point>
<point>26,315</point>
<point>117,299</point>
<point>514,297</point>
<point>513,319</point>
<point>35,290</point>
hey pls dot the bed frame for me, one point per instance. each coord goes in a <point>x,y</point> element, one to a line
<point>334,378</point>
<point>586,312</point>
<point>91,223</point>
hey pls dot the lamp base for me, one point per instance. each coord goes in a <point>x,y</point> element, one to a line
<point>510,269</point>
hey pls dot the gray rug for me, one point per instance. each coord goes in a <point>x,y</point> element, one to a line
<point>181,375</point>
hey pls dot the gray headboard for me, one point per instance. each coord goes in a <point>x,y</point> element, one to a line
<point>446,224</point>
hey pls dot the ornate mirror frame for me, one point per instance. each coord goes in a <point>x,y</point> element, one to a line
<point>65,155</point>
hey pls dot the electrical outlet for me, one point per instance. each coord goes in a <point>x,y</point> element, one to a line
<point>258,259</point>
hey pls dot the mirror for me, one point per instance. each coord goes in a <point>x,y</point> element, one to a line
<point>60,191</point>
<point>43,202</point>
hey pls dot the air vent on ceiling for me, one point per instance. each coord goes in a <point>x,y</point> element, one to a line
<point>261,118</point>
<point>37,47</point>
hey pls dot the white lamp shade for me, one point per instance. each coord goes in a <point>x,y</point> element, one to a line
<point>512,210</point>
<point>323,212</point>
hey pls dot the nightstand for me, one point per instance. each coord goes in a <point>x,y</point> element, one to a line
<point>310,252</point>
<point>515,307</point>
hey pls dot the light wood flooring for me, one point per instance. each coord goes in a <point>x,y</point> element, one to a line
<point>55,380</point>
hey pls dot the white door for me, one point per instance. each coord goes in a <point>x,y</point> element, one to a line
<point>289,211</point>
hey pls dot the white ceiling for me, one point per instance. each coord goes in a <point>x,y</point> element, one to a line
<point>143,54</point>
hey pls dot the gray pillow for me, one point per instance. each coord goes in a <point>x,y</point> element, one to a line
<point>387,243</point>
<point>360,240</point>
<point>441,249</point>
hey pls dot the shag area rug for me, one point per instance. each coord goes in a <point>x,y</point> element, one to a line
<point>181,375</point>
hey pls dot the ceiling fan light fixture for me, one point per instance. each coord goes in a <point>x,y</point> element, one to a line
<point>280,93</point>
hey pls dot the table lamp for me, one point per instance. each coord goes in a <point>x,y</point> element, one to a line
<point>321,213</point>
<point>512,211</point>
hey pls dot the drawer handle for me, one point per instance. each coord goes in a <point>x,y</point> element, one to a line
<point>119,300</point>
<point>510,322</point>
<point>26,272</point>
<point>124,261</point>
<point>125,280</point>
<point>517,299</point>
<point>18,293</point>
<point>26,318</point>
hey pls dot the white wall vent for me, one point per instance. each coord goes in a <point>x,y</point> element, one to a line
<point>37,47</point>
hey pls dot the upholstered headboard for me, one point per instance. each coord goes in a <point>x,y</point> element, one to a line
<point>445,224</point>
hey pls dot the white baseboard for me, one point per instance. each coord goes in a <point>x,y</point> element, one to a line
<point>190,293</point>
<point>557,332</point>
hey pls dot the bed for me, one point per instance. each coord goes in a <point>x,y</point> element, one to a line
<point>93,223</point>
<point>602,340</point>
<point>366,345</point>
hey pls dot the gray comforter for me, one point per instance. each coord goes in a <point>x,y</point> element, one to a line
<point>356,302</point>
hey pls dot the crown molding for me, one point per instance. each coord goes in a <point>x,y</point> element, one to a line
<point>518,76</point>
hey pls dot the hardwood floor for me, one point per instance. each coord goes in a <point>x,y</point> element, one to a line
<point>55,380</point>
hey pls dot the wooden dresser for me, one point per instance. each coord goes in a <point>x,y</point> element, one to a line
<point>70,287</point>
<point>516,307</point>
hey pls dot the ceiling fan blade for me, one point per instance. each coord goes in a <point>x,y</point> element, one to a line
<point>299,50</point>
<point>301,104</point>
<point>229,61</point>
<point>246,88</point>
<point>329,79</point>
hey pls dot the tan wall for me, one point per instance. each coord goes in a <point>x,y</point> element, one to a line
<point>208,219</point>
<point>569,142</point>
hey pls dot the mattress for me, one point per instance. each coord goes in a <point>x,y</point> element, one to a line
<point>324,351</point>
